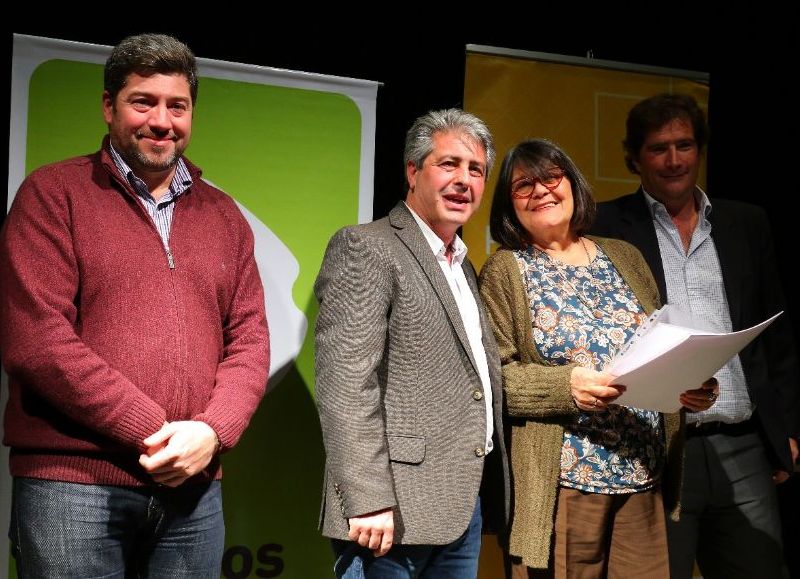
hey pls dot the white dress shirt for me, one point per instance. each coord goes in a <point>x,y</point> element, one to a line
<point>467,307</point>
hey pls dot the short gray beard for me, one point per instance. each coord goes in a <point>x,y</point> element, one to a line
<point>136,159</point>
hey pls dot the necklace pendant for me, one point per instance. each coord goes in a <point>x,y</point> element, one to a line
<point>597,314</point>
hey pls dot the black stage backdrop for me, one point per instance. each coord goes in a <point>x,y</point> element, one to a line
<point>752,109</point>
<point>751,56</point>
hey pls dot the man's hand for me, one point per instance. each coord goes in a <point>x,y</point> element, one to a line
<point>701,398</point>
<point>781,476</point>
<point>178,451</point>
<point>374,531</point>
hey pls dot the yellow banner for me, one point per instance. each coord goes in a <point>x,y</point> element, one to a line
<point>576,104</point>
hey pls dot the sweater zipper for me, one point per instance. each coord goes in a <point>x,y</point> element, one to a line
<point>126,187</point>
<point>180,398</point>
<point>179,401</point>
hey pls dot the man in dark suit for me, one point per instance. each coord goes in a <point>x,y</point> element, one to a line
<point>408,375</point>
<point>716,260</point>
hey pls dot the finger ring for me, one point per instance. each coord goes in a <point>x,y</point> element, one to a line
<point>594,404</point>
<point>712,395</point>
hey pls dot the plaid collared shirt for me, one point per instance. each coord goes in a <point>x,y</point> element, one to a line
<point>694,283</point>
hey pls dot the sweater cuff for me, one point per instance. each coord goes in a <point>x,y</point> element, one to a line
<point>227,428</point>
<point>144,419</point>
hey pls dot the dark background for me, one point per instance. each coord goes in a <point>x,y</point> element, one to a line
<point>750,52</point>
<point>751,60</point>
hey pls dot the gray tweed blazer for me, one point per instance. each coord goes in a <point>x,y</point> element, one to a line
<point>397,389</point>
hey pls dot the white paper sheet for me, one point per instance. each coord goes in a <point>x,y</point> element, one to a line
<point>665,360</point>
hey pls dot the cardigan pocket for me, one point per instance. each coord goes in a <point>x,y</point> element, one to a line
<point>407,449</point>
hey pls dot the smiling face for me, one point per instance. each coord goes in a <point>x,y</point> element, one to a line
<point>150,122</point>
<point>669,162</point>
<point>448,188</point>
<point>547,213</point>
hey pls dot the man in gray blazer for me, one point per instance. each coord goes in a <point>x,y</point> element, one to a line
<point>408,375</point>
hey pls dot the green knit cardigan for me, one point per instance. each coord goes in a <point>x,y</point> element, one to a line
<point>539,404</point>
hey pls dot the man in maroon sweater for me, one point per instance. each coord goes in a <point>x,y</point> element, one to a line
<point>132,328</point>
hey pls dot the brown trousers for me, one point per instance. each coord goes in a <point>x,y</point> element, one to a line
<point>613,536</point>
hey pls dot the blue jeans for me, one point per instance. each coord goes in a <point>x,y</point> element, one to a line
<point>457,560</point>
<point>61,529</point>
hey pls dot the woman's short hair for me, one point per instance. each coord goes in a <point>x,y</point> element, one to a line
<point>536,157</point>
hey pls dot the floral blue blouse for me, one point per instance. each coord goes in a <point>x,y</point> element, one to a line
<point>585,314</point>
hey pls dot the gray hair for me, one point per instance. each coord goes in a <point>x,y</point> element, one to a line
<point>148,54</point>
<point>419,138</point>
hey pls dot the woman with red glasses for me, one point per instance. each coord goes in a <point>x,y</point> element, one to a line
<point>588,473</point>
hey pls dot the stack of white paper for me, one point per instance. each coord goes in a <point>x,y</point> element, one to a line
<point>665,359</point>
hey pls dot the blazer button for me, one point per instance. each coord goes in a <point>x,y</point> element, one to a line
<point>479,452</point>
<point>477,395</point>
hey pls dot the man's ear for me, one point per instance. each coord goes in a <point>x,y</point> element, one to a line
<point>411,175</point>
<point>637,168</point>
<point>108,107</point>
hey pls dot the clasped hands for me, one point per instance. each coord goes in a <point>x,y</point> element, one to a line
<point>178,450</point>
<point>593,391</point>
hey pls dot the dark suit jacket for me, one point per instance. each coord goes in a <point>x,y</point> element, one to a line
<point>398,391</point>
<point>742,237</point>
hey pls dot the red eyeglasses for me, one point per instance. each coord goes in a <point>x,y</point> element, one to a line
<point>523,187</point>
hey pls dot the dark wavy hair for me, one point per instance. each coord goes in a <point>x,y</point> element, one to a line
<point>148,54</point>
<point>653,113</point>
<point>537,157</point>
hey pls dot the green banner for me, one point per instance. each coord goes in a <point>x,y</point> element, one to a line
<point>296,152</point>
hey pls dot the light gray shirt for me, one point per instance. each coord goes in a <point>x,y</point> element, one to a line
<point>694,284</point>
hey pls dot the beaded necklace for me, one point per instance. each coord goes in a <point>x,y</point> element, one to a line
<point>593,305</point>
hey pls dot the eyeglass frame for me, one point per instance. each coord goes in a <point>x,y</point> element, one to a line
<point>534,180</point>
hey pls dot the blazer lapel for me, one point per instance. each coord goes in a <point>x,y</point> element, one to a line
<point>639,231</point>
<point>726,240</point>
<point>409,233</point>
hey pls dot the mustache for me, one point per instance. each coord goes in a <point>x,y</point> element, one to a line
<point>151,135</point>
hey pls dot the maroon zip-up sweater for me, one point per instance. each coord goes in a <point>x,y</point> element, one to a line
<point>103,341</point>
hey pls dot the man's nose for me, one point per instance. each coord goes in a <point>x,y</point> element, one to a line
<point>462,176</point>
<point>159,118</point>
<point>672,156</point>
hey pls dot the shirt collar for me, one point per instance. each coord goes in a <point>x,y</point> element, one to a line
<point>438,247</point>
<point>181,180</point>
<point>700,196</point>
